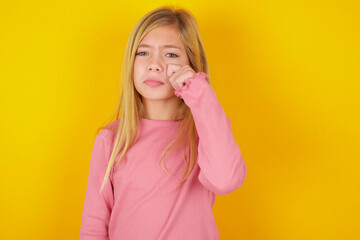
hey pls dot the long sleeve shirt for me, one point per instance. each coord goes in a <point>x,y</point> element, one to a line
<point>140,202</point>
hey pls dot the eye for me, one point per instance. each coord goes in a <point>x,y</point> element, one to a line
<point>173,54</point>
<point>139,53</point>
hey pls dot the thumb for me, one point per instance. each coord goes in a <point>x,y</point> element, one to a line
<point>171,68</point>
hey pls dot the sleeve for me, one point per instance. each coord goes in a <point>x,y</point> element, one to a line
<point>97,206</point>
<point>222,168</point>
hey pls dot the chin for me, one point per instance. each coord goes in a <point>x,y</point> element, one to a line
<point>158,96</point>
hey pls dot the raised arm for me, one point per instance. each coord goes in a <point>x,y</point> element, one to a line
<point>222,169</point>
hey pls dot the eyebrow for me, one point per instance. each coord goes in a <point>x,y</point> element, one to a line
<point>164,46</point>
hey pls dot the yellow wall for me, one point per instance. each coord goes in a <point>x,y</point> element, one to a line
<point>286,73</point>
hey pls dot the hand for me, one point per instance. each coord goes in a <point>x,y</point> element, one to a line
<point>178,74</point>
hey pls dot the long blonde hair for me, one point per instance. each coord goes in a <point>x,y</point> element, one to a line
<point>130,109</point>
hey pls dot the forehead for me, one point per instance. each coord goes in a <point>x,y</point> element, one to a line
<point>163,36</point>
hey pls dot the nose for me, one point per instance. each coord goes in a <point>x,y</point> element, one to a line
<point>155,65</point>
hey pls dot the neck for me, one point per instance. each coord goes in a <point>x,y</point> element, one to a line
<point>164,109</point>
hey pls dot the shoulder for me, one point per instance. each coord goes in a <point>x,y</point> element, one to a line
<point>109,131</point>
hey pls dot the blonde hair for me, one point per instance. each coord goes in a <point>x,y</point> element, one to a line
<point>130,109</point>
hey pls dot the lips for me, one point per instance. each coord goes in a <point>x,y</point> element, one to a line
<point>153,82</point>
<point>153,79</point>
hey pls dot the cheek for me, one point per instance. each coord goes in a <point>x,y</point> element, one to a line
<point>186,60</point>
<point>180,61</point>
<point>139,64</point>
<point>137,68</point>
<point>136,64</point>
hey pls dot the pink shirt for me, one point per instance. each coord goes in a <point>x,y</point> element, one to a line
<point>139,202</point>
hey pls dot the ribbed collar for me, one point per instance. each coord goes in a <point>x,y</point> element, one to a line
<point>153,122</point>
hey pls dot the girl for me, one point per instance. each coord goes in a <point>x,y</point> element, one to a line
<point>155,170</point>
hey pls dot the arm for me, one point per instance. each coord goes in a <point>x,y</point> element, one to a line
<point>222,169</point>
<point>97,207</point>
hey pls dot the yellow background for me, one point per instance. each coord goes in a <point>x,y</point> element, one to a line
<point>285,72</point>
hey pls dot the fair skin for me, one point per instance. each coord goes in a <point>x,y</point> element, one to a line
<point>169,64</point>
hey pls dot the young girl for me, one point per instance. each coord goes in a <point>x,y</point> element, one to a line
<point>155,170</point>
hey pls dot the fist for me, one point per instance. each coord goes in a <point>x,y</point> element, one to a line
<point>178,74</point>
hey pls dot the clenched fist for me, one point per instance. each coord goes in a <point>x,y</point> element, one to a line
<point>178,74</point>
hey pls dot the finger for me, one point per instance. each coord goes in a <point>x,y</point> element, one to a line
<point>182,81</point>
<point>172,68</point>
<point>188,74</point>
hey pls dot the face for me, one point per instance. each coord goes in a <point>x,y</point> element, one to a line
<point>159,47</point>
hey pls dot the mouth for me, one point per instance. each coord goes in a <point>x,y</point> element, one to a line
<point>153,79</point>
<point>153,82</point>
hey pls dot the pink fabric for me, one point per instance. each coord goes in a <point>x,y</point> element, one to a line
<point>140,202</point>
